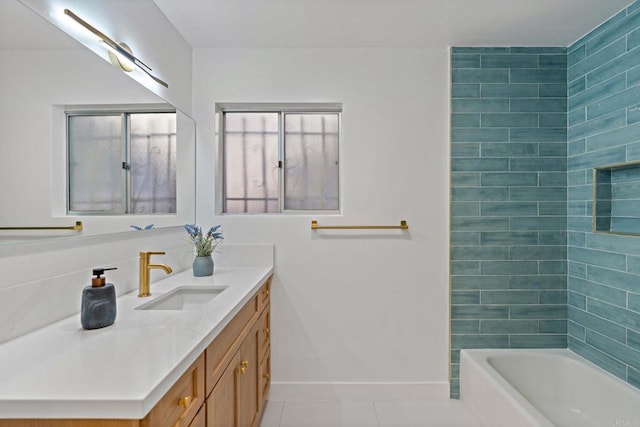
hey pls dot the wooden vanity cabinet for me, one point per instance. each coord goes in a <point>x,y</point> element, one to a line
<point>264,356</point>
<point>226,386</point>
<point>237,397</point>
<point>221,403</point>
<point>247,382</point>
<point>264,332</point>
<point>201,418</point>
<point>264,380</point>
<point>181,403</point>
<point>177,408</point>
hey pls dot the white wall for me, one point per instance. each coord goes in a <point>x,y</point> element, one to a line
<point>350,307</point>
<point>143,27</point>
<point>32,82</point>
<point>347,307</point>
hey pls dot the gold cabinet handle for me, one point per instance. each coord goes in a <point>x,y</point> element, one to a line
<point>267,376</point>
<point>244,363</point>
<point>242,370</point>
<point>266,293</point>
<point>184,402</point>
<point>243,367</point>
<point>267,332</point>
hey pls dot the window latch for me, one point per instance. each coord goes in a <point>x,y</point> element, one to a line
<point>126,166</point>
<point>279,164</point>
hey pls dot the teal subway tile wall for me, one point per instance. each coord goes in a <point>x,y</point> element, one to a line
<point>528,126</point>
<point>603,269</point>
<point>508,199</point>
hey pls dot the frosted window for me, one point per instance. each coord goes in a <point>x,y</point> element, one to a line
<point>251,162</point>
<point>311,162</point>
<point>279,160</point>
<point>95,164</point>
<point>122,162</point>
<point>153,163</point>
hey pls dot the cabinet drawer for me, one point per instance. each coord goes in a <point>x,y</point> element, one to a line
<point>264,379</point>
<point>181,403</point>
<point>264,331</point>
<point>265,293</point>
<point>222,349</point>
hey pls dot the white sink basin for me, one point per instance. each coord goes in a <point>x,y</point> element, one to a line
<point>184,298</point>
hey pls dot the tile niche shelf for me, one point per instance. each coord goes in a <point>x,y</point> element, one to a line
<point>616,199</point>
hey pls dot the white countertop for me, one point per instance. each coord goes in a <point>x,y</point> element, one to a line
<point>121,371</point>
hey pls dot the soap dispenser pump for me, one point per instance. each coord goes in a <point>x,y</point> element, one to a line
<point>98,302</point>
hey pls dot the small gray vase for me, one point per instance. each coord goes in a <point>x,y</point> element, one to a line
<point>203,266</point>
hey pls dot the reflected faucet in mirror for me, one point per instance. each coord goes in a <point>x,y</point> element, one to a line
<point>144,288</point>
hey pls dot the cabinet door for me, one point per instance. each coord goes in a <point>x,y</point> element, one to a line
<point>222,349</point>
<point>221,403</point>
<point>265,380</point>
<point>181,403</point>
<point>200,420</point>
<point>247,380</point>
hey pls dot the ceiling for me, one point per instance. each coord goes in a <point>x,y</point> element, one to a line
<point>386,23</point>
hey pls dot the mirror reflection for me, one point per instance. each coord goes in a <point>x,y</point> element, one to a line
<point>136,174</point>
<point>138,152</point>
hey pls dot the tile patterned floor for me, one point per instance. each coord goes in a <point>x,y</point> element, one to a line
<point>450,413</point>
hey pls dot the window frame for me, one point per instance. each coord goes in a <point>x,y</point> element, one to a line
<point>125,112</point>
<point>282,109</point>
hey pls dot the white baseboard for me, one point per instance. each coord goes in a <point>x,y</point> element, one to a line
<point>304,391</point>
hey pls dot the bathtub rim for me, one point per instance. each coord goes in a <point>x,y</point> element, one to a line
<point>479,359</point>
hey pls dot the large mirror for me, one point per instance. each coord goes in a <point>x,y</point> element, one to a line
<point>45,75</point>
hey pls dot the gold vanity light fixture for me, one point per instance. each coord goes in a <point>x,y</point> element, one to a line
<point>119,60</point>
<point>119,53</point>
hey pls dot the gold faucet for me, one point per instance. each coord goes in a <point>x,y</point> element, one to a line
<point>144,290</point>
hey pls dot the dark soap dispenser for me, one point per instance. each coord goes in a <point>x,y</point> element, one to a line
<point>98,302</point>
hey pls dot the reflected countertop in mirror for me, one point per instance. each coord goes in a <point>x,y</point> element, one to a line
<point>43,72</point>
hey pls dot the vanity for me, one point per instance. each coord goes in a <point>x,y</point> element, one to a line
<point>160,366</point>
<point>199,366</point>
<point>166,365</point>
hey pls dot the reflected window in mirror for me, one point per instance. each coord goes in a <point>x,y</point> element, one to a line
<point>121,162</point>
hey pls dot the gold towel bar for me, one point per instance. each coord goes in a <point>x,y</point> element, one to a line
<point>403,226</point>
<point>77,227</point>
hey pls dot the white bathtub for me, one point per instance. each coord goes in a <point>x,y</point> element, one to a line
<point>544,388</point>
